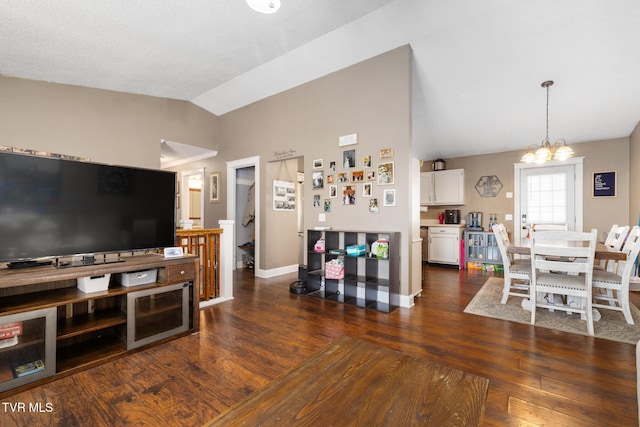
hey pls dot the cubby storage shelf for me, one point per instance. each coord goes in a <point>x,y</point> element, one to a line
<point>78,325</point>
<point>89,353</point>
<point>368,282</point>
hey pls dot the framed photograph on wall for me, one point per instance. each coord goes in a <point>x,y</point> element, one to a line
<point>604,184</point>
<point>348,194</point>
<point>374,207</point>
<point>367,189</point>
<point>284,195</point>
<point>214,187</point>
<point>318,163</point>
<point>349,158</point>
<point>317,178</point>
<point>333,191</point>
<point>357,176</point>
<point>386,153</point>
<point>389,198</point>
<point>385,173</point>
<point>367,161</point>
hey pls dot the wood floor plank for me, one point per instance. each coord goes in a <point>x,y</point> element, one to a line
<point>246,343</point>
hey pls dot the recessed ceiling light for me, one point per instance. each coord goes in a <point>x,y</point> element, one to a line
<point>264,6</point>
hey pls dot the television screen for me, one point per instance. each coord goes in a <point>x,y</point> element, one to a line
<point>50,207</point>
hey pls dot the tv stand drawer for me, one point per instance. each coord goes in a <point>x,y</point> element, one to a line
<point>181,272</point>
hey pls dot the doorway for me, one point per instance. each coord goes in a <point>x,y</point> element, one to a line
<point>548,194</point>
<point>192,198</point>
<point>233,168</point>
<point>245,218</point>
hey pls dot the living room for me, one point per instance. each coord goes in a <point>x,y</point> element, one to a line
<point>373,99</point>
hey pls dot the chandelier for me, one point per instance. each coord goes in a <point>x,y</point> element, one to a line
<point>545,152</point>
<point>264,6</point>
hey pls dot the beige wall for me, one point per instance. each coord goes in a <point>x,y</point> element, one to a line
<point>599,156</point>
<point>371,99</point>
<point>105,126</point>
<point>634,176</point>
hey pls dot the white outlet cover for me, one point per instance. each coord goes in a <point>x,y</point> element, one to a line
<point>508,217</point>
<point>322,217</point>
<point>509,195</point>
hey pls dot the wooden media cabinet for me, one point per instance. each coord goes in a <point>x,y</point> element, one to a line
<point>49,328</point>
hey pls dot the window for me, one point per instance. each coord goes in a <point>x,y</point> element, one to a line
<point>547,198</point>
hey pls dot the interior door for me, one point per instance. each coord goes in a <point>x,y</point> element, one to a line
<point>550,195</point>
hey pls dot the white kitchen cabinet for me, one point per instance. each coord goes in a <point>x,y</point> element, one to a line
<point>444,245</point>
<point>442,187</point>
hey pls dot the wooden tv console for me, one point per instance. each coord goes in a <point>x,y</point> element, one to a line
<point>61,330</point>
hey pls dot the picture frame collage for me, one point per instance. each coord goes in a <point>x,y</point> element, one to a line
<point>353,178</point>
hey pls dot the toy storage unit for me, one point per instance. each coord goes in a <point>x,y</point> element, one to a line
<point>482,251</point>
<point>366,280</point>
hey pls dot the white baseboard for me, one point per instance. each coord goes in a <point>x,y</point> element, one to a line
<point>288,269</point>
<point>205,304</point>
<point>408,301</point>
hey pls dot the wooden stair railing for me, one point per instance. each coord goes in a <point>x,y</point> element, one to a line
<point>206,244</point>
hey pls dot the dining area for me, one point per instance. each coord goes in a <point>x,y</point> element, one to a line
<point>556,269</point>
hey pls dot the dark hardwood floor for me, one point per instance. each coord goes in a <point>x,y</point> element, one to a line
<point>536,376</point>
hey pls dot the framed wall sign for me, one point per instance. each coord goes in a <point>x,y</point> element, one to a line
<point>604,184</point>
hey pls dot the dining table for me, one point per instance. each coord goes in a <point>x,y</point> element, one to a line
<point>603,252</point>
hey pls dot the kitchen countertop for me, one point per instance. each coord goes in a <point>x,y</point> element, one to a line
<point>435,223</point>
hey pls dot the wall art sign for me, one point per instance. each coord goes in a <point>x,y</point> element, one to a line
<point>488,186</point>
<point>348,140</point>
<point>284,154</point>
<point>604,184</point>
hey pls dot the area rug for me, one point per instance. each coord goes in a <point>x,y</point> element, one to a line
<point>611,326</point>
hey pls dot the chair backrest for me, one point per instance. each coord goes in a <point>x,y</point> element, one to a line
<point>570,252</point>
<point>631,248</point>
<point>616,237</point>
<point>502,238</point>
<point>504,234</point>
<point>549,227</point>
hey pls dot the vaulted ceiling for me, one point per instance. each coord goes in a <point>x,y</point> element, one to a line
<point>478,65</point>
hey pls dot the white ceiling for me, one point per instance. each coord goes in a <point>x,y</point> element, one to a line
<point>478,65</point>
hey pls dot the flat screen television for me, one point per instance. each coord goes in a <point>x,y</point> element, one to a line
<point>52,208</point>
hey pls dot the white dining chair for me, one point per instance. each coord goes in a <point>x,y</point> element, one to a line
<point>516,271</point>
<point>615,239</point>
<point>556,272</point>
<point>611,288</point>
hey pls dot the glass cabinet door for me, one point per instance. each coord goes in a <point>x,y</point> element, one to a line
<point>493,251</point>
<point>157,313</point>
<point>27,347</point>
<point>475,246</point>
